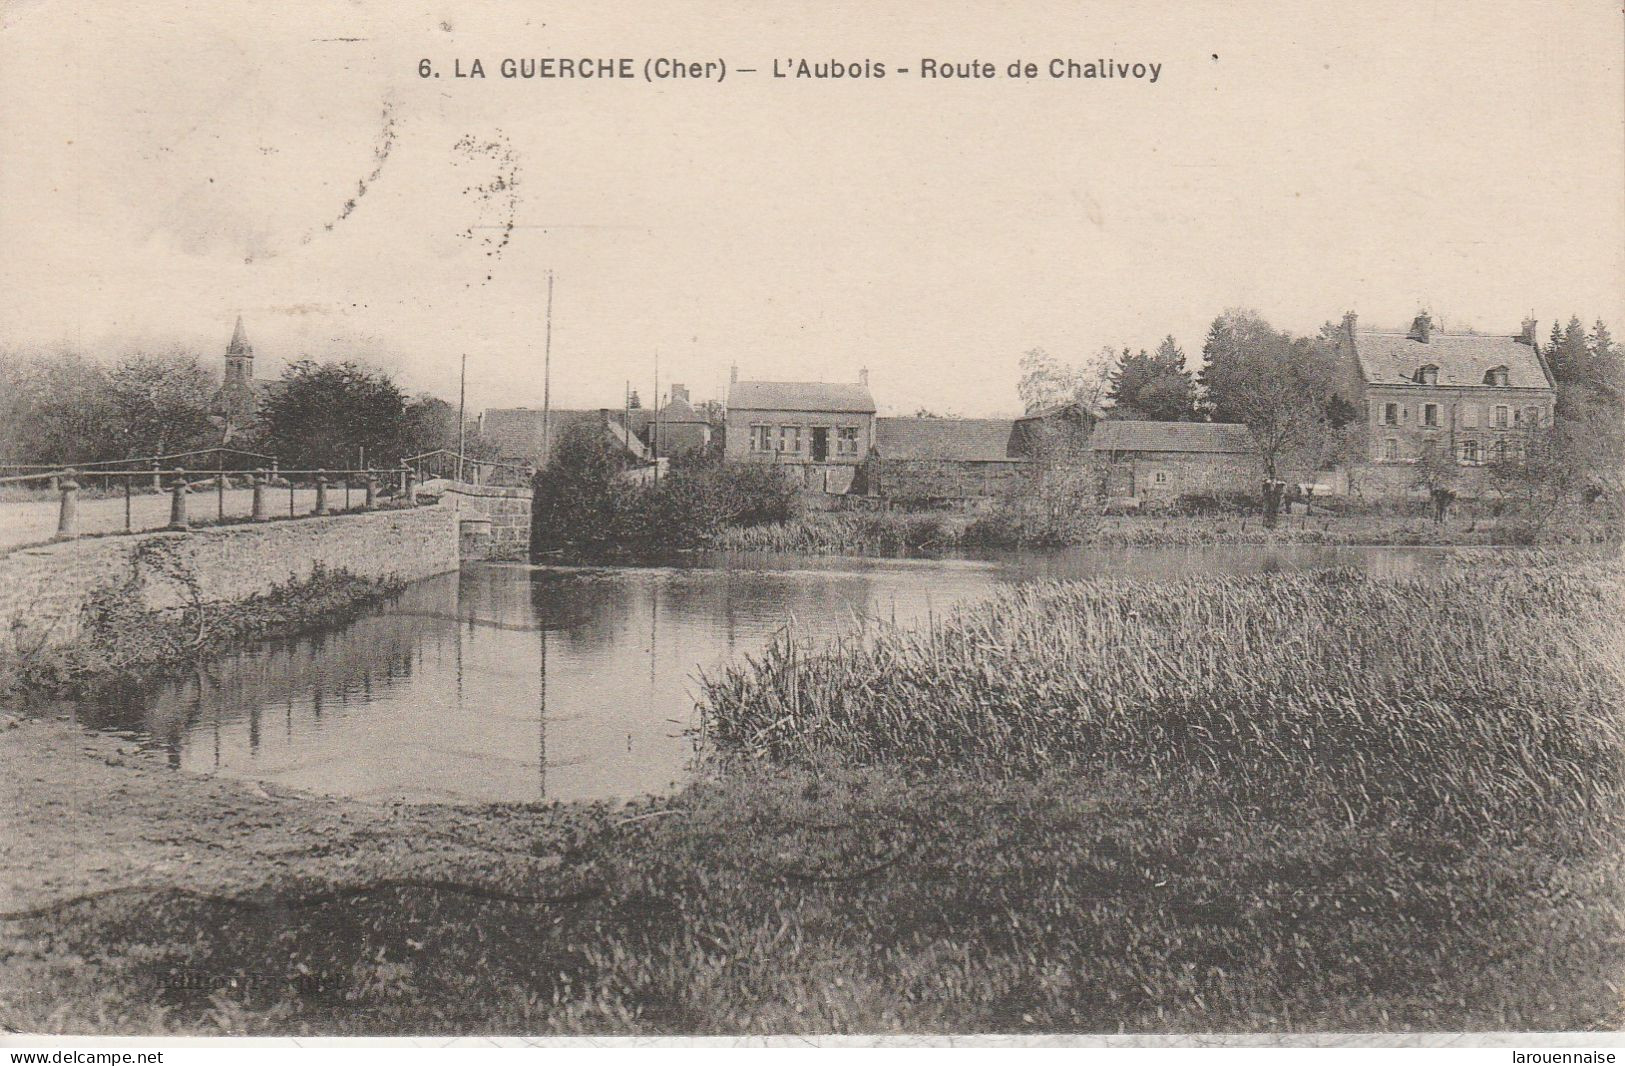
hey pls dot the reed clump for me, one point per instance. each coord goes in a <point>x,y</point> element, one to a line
<point>1488,694</point>
<point>886,533</point>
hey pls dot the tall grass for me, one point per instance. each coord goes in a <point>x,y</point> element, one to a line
<point>1475,697</point>
<point>849,533</point>
<point>905,532</point>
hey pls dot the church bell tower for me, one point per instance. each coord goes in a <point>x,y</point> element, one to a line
<point>239,358</point>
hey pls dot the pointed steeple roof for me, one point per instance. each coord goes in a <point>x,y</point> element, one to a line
<point>239,338</point>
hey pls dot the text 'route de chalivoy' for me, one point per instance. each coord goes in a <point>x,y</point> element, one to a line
<point>661,69</point>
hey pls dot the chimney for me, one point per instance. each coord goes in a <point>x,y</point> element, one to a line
<point>733,374</point>
<point>863,377</point>
<point>1528,335</point>
<point>679,393</point>
<point>1422,327</point>
<point>1350,319</point>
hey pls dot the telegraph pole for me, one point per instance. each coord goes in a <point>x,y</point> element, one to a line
<point>654,423</point>
<point>547,377</point>
<point>462,418</point>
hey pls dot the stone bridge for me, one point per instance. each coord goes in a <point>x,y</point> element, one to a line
<point>493,520</point>
<point>45,586</point>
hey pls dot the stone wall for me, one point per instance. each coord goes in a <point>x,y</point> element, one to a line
<point>944,479</point>
<point>1397,481</point>
<point>43,589</point>
<point>508,510</point>
<point>1166,476</point>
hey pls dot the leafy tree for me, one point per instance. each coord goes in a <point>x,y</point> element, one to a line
<point>1439,475</point>
<point>160,404</point>
<point>430,423</point>
<point>587,505</point>
<point>581,502</point>
<point>66,414</point>
<point>13,434</point>
<point>1231,341</point>
<point>1153,386</point>
<point>327,415</point>
<point>1568,473</point>
<point>1047,381</point>
<point>1281,388</point>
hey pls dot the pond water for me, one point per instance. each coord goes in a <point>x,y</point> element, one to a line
<point>514,683</point>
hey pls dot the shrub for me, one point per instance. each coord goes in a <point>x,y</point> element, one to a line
<point>586,504</point>
<point>1216,503</point>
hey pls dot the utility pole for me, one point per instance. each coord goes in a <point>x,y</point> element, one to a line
<point>654,424</point>
<point>462,420</point>
<point>547,377</point>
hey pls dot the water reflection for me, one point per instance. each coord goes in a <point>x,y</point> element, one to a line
<point>505,683</point>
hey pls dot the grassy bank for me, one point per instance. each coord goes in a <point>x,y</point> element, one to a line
<point>119,635</point>
<point>914,532</point>
<point>1287,802</point>
<point>773,900</point>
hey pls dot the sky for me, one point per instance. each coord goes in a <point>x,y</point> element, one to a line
<point>163,172</point>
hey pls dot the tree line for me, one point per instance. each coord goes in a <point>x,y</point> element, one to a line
<point>63,407</point>
<point>1287,391</point>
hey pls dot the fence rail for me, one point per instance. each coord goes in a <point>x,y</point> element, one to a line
<point>443,463</point>
<point>169,491</point>
<point>164,498</point>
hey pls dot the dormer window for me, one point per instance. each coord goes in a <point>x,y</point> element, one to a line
<point>1496,375</point>
<point>1427,375</point>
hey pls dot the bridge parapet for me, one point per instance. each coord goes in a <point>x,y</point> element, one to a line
<point>496,518</point>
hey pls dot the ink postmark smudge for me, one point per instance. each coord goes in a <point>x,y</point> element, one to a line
<point>380,155</point>
<point>494,195</point>
<point>260,249</point>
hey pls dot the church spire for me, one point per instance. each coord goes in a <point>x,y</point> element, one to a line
<point>239,339</point>
<point>239,357</point>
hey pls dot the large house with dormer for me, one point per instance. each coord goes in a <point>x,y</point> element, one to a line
<point>1472,396</point>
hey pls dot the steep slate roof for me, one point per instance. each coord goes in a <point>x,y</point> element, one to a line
<point>1133,436</point>
<point>517,431</point>
<point>1462,358</point>
<point>799,396</point>
<point>961,439</point>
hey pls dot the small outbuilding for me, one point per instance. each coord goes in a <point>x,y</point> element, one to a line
<point>943,459</point>
<point>1167,460</point>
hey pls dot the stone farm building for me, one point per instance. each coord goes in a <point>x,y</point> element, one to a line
<point>1157,462</point>
<point>820,432</point>
<point>935,459</point>
<point>1471,396</point>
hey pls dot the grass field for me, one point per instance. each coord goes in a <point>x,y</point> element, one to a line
<point>1289,802</point>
